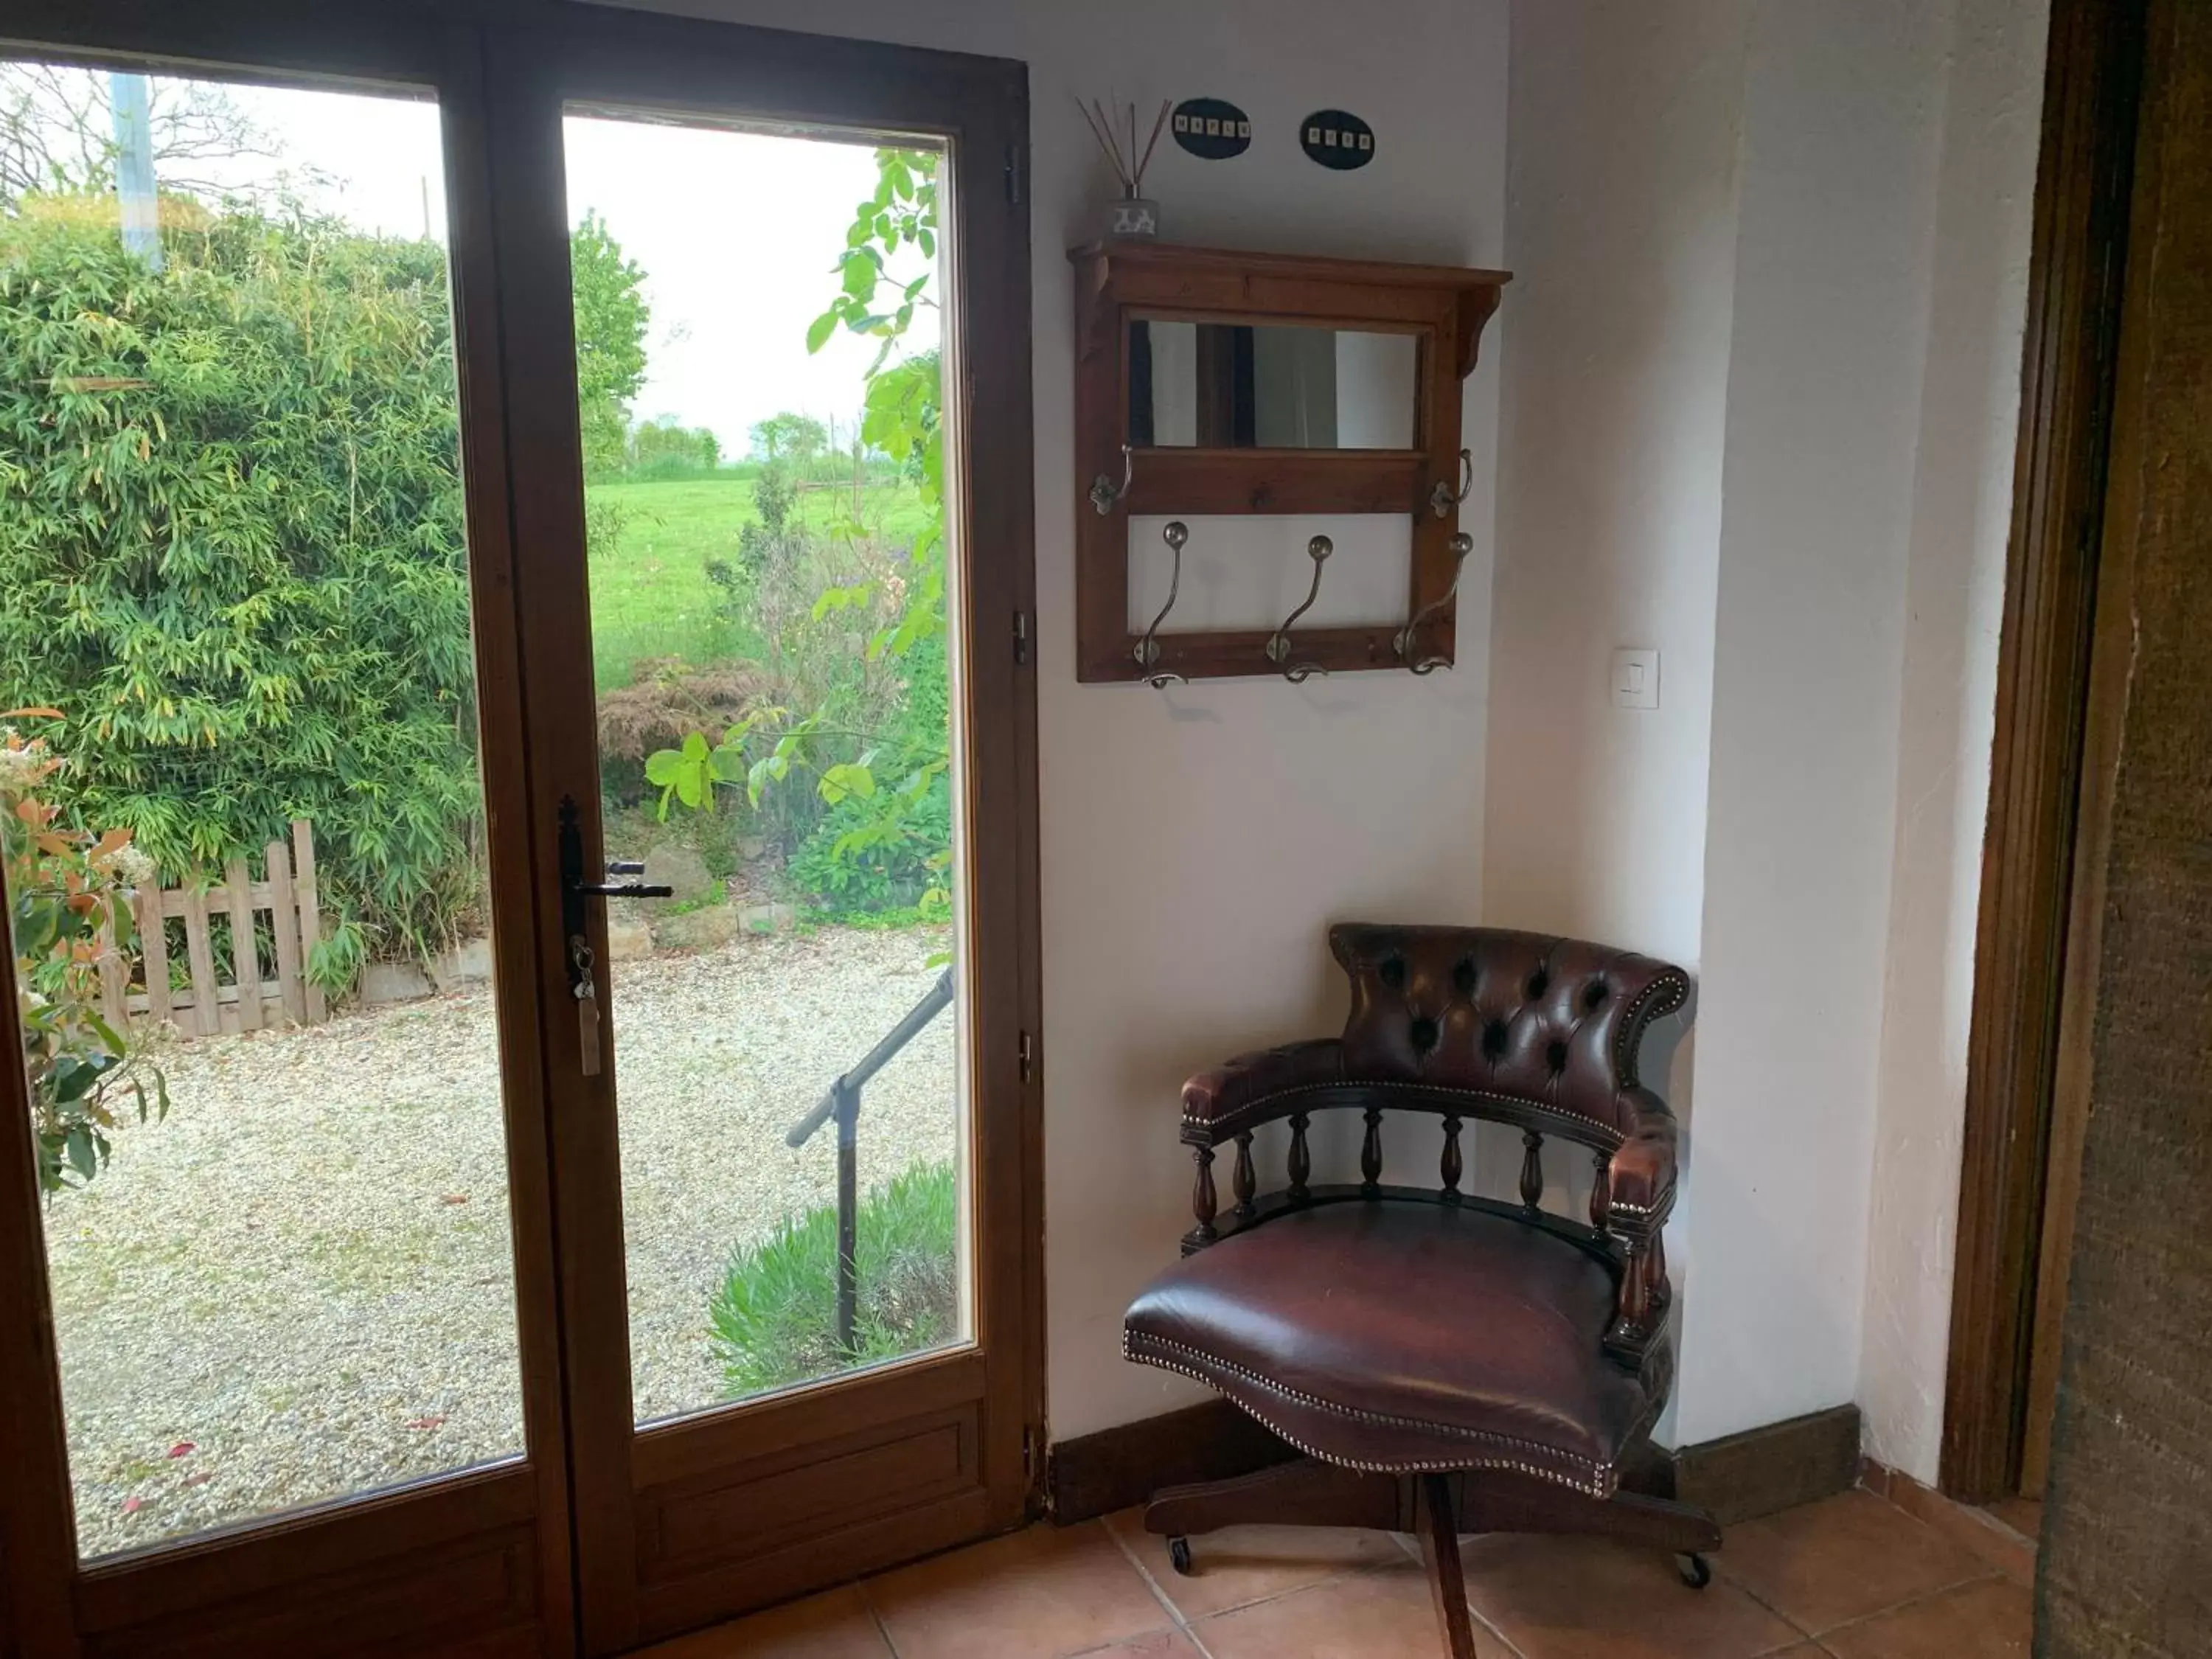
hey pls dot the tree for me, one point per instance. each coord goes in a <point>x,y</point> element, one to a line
<point>795,438</point>
<point>58,134</point>
<point>611,315</point>
<point>665,448</point>
<point>231,552</point>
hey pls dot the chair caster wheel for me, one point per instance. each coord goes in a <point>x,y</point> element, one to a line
<point>1696,1572</point>
<point>1179,1555</point>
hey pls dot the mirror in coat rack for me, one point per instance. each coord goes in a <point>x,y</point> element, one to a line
<point>1270,385</point>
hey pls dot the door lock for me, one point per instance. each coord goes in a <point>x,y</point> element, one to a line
<point>574,890</point>
<point>583,975</point>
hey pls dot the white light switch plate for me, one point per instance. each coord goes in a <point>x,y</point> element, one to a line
<point>1635,678</point>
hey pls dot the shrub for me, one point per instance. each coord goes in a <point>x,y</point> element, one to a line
<point>773,1321</point>
<point>874,742</point>
<point>65,886</point>
<point>867,857</point>
<point>669,699</point>
<point>231,546</point>
<point>774,492</point>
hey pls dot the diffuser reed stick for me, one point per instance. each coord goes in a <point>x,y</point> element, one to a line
<point>1105,122</point>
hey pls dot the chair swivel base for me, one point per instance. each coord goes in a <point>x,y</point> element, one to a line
<point>1438,1508</point>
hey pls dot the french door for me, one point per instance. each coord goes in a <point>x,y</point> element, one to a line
<point>711,1507</point>
<point>597,1193</point>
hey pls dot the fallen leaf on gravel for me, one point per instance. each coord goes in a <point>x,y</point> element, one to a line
<point>454,1198</point>
<point>199,1479</point>
<point>428,1423</point>
<point>132,1505</point>
<point>186,1448</point>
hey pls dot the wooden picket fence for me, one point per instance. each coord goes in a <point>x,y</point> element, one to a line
<point>245,1001</point>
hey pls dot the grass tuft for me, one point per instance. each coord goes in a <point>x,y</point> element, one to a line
<point>773,1321</point>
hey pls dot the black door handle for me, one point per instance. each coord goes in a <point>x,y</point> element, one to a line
<point>574,890</point>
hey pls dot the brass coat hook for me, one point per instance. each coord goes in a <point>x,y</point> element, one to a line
<point>1441,498</point>
<point>1461,545</point>
<point>1104,492</point>
<point>1279,644</point>
<point>1176,533</point>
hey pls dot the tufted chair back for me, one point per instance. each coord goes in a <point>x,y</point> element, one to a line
<point>1553,1022</point>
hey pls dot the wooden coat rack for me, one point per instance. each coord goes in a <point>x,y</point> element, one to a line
<point>1443,309</point>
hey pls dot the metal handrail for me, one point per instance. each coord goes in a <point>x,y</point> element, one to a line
<point>842,1102</point>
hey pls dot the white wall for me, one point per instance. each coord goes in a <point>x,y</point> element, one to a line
<point>1758,415</point>
<point>1621,225</point>
<point>1196,841</point>
<point>1954,594</point>
<point>1842,105</point>
<point>1760,373</point>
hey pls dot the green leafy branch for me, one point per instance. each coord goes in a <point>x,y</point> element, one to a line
<point>883,277</point>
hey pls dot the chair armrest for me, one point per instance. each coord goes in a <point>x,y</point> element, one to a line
<point>1640,1194</point>
<point>1642,1179</point>
<point>1252,1088</point>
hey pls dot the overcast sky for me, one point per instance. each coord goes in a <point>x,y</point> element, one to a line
<point>736,232</point>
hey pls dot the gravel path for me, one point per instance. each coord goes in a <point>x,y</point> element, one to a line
<point>300,1287</point>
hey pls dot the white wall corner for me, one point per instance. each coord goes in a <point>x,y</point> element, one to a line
<point>1842,141</point>
<point>1962,507</point>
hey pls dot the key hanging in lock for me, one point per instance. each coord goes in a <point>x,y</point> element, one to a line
<point>587,1005</point>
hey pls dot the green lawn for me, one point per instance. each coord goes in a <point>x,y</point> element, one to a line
<point>650,595</point>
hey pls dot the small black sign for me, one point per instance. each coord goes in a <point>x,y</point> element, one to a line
<point>1337,138</point>
<point>1211,129</point>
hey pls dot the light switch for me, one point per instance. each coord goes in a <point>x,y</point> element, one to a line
<point>1635,678</point>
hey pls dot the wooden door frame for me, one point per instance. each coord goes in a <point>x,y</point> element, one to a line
<point>47,1595</point>
<point>54,1601</point>
<point>2030,926</point>
<point>978,108</point>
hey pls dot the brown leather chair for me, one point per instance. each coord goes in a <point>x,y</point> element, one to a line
<point>1446,1363</point>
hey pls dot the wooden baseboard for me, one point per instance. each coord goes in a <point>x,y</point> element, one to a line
<point>1743,1476</point>
<point>1096,1474</point>
<point>1737,1479</point>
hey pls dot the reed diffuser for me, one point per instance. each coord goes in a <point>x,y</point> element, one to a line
<point>1134,215</point>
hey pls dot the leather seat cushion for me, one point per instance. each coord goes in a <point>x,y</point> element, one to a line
<point>1404,1337</point>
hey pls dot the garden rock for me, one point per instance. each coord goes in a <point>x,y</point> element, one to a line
<point>468,963</point>
<point>768,918</point>
<point>629,939</point>
<point>671,864</point>
<point>394,981</point>
<point>696,930</point>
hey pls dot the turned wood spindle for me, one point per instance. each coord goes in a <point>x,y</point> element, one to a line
<point>1201,1197</point>
<point>1301,1159</point>
<point>1601,1191</point>
<point>1532,1169</point>
<point>1635,1285</point>
<point>1370,1152</point>
<point>1655,1272</point>
<point>1450,1168</point>
<point>1245,1181</point>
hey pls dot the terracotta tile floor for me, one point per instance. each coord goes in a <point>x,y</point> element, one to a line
<point>1850,1577</point>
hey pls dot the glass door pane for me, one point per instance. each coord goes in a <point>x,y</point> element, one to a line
<point>244,831</point>
<point>758,358</point>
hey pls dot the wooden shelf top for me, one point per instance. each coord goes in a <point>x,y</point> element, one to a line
<point>1311,267</point>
